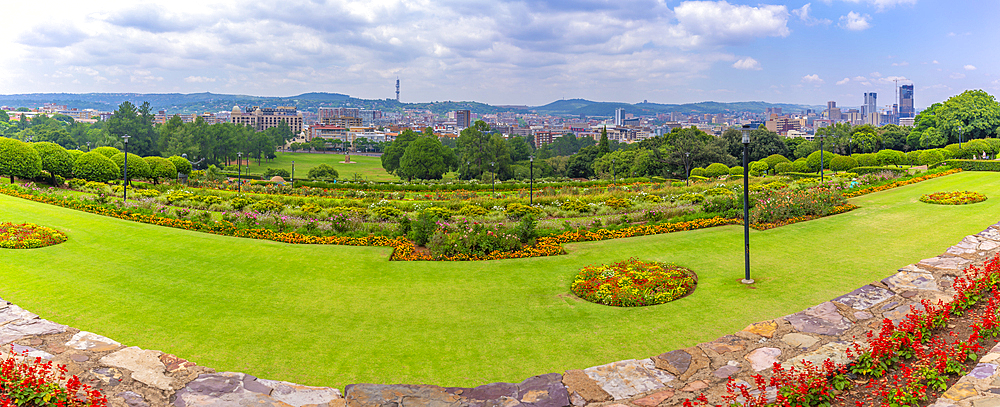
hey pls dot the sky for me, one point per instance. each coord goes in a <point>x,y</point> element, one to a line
<point>527,52</point>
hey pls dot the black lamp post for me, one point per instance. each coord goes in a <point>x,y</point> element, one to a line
<point>850,140</point>
<point>239,170</point>
<point>531,172</point>
<point>959,137</point>
<point>293,172</point>
<point>88,146</point>
<point>185,157</point>
<point>687,169</point>
<point>125,173</point>
<point>493,169</point>
<point>746,203</point>
<point>614,178</point>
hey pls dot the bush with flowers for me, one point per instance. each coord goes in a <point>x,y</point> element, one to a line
<point>953,198</point>
<point>775,205</point>
<point>28,236</point>
<point>26,381</point>
<point>472,239</point>
<point>633,283</point>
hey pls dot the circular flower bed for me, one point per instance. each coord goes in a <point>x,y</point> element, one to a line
<point>28,236</point>
<point>633,283</point>
<point>953,198</point>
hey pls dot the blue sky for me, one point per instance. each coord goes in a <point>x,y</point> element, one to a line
<point>508,52</point>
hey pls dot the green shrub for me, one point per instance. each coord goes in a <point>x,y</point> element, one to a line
<point>137,167</point>
<point>385,212</point>
<point>576,205</point>
<point>716,170</point>
<point>758,168</point>
<point>890,157</point>
<point>267,205</point>
<point>472,239</point>
<point>473,210</point>
<point>697,178</point>
<point>697,172</point>
<point>240,202</point>
<point>94,166</point>
<point>800,165</point>
<point>147,193</point>
<point>692,198</point>
<point>75,154</point>
<point>160,167</point>
<point>323,172</point>
<point>107,151</point>
<point>677,184</point>
<point>517,210</point>
<point>728,205</point>
<point>177,195</point>
<point>18,159</point>
<point>439,212</point>
<point>423,228</point>
<point>843,163</point>
<point>782,168</point>
<point>617,203</point>
<point>208,199</point>
<point>913,157</point>
<point>276,172</point>
<point>866,160</point>
<point>525,230</point>
<point>876,170</point>
<point>77,183</point>
<point>975,165</point>
<point>717,191</point>
<point>773,160</point>
<point>55,159</point>
<point>813,160</point>
<point>930,157</point>
<point>737,170</point>
<point>182,165</point>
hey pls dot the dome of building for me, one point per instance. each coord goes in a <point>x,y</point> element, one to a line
<point>236,110</point>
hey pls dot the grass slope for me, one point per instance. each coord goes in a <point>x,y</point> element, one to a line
<point>368,167</point>
<point>335,315</point>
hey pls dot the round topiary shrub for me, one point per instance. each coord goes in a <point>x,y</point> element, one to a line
<point>930,157</point>
<point>75,154</point>
<point>866,160</point>
<point>160,168</point>
<point>697,172</point>
<point>813,160</point>
<point>323,172</point>
<point>773,160</point>
<point>913,157</point>
<point>55,159</point>
<point>716,170</point>
<point>182,165</point>
<point>737,170</point>
<point>633,283</point>
<point>842,163</point>
<point>782,168</point>
<point>18,159</point>
<point>28,236</point>
<point>94,166</point>
<point>107,151</point>
<point>758,168</point>
<point>800,165</point>
<point>137,167</point>
<point>953,198</point>
<point>472,210</point>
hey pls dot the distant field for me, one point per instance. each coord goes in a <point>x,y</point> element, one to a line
<point>368,167</point>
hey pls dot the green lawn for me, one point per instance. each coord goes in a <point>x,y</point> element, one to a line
<point>368,167</point>
<point>336,315</point>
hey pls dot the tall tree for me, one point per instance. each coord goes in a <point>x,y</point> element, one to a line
<point>395,151</point>
<point>426,158</point>
<point>138,125</point>
<point>603,147</point>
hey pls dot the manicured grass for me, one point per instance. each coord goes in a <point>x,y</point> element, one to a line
<point>334,315</point>
<point>367,167</point>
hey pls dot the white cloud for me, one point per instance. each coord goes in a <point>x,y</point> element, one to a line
<point>843,81</point>
<point>718,22</point>
<point>881,5</point>
<point>957,75</point>
<point>904,63</point>
<point>860,78</point>
<point>969,68</point>
<point>198,79</point>
<point>855,22</point>
<point>803,14</point>
<point>813,79</point>
<point>747,63</point>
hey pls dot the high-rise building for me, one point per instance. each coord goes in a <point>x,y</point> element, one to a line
<point>264,118</point>
<point>463,119</point>
<point>906,102</point>
<point>330,112</point>
<point>869,111</point>
<point>833,112</point>
<point>619,116</point>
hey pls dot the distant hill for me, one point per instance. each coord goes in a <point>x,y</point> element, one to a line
<point>214,102</point>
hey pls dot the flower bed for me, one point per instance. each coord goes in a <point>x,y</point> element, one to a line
<point>835,210</point>
<point>953,198</point>
<point>633,283</point>
<point>28,381</point>
<point>28,236</point>
<point>892,185</point>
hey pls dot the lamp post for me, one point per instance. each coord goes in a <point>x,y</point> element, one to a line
<point>125,173</point>
<point>493,169</point>
<point>239,171</point>
<point>293,172</point>
<point>959,137</point>
<point>185,157</point>
<point>850,140</point>
<point>531,172</point>
<point>88,146</point>
<point>746,203</point>
<point>687,169</point>
<point>614,178</point>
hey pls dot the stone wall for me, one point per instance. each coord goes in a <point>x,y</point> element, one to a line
<point>134,377</point>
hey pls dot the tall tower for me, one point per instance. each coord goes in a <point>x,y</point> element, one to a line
<point>397,89</point>
<point>619,117</point>
<point>869,111</point>
<point>906,101</point>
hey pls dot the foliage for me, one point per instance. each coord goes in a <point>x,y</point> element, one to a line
<point>953,198</point>
<point>472,210</point>
<point>774,159</point>
<point>94,166</point>
<point>758,168</point>
<point>975,111</point>
<point>633,283</point>
<point>137,123</point>
<point>782,168</point>
<point>930,157</point>
<point>975,165</point>
<point>716,170</point>
<point>874,170</point>
<point>775,205</point>
<point>813,160</point>
<point>525,230</point>
<point>517,210</point>
<point>617,203</point>
<point>267,205</point>
<point>763,143</point>
<point>423,228</point>
<point>737,170</point>
<point>385,213</point>
<point>137,167</point>
<point>18,159</point>
<point>276,172</point>
<point>842,163</point>
<point>28,236</point>
<point>160,167</point>
<point>324,172</point>
<point>472,239</point>
<point>107,151</point>
<point>426,158</point>
<point>182,165</point>
<point>55,159</point>
<point>697,172</point>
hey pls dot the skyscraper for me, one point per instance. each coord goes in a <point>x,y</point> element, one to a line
<point>906,102</point>
<point>619,116</point>
<point>869,111</point>
<point>463,119</point>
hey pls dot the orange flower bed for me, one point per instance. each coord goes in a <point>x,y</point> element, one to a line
<point>836,210</point>
<point>869,190</point>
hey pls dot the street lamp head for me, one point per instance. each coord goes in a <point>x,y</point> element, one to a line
<point>239,154</point>
<point>746,133</point>
<point>125,137</point>
<point>688,154</point>
<point>531,158</point>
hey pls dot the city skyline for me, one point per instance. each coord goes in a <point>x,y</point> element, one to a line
<point>527,52</point>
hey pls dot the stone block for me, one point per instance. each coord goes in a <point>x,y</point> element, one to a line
<point>823,319</point>
<point>654,399</point>
<point>576,381</point>
<point>865,297</point>
<point>763,358</point>
<point>84,340</point>
<point>765,329</point>
<point>626,378</point>
<point>144,364</point>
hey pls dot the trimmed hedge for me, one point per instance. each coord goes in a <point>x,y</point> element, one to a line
<point>137,167</point>
<point>975,165</point>
<point>18,159</point>
<point>160,167</point>
<point>94,166</point>
<point>798,175</point>
<point>55,159</point>
<point>107,151</point>
<point>182,164</point>
<point>872,170</point>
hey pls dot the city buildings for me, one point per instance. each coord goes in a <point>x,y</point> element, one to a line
<point>463,119</point>
<point>264,118</point>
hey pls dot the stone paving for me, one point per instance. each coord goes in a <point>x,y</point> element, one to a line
<point>135,377</point>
